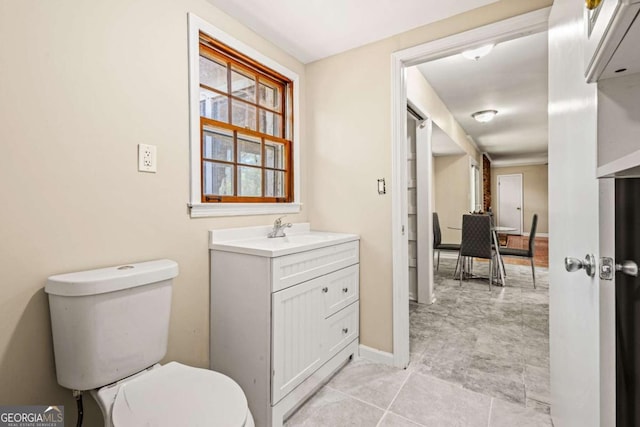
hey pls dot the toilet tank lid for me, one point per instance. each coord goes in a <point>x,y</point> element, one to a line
<point>111,279</point>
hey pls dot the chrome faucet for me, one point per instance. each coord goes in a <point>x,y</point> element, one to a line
<point>278,228</point>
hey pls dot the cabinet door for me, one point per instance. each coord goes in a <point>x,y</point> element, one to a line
<point>298,315</point>
<point>606,27</point>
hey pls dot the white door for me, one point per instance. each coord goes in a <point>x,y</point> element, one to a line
<point>510,202</point>
<point>412,207</point>
<point>419,221</point>
<point>579,383</point>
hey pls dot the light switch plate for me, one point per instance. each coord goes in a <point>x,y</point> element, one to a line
<point>147,160</point>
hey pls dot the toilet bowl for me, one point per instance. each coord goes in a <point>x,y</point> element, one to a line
<point>110,328</point>
<point>174,395</point>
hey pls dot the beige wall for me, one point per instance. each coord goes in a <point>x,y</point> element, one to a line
<point>452,191</point>
<point>423,96</point>
<point>535,193</point>
<point>81,84</point>
<point>349,131</point>
<point>451,174</point>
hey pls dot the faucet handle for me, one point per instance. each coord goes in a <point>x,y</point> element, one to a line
<point>278,222</point>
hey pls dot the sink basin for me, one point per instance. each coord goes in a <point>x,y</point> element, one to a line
<point>297,239</point>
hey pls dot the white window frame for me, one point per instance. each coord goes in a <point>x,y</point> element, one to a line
<point>475,190</point>
<point>197,208</point>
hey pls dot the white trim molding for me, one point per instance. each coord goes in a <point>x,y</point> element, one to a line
<point>377,356</point>
<point>507,29</point>
<point>197,208</point>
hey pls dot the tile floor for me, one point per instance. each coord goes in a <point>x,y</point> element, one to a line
<point>477,359</point>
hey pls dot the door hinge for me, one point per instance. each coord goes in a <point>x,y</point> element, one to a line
<point>403,230</point>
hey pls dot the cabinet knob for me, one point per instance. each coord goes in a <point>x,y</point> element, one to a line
<point>325,289</point>
<point>345,290</point>
<point>345,330</point>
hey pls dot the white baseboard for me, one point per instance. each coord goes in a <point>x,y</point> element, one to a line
<point>377,356</point>
<point>537,234</point>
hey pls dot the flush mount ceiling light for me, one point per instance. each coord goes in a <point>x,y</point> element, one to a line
<point>475,54</point>
<point>484,116</point>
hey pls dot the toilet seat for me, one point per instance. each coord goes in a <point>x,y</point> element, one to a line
<point>176,394</point>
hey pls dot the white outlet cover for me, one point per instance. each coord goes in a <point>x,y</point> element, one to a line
<point>147,159</point>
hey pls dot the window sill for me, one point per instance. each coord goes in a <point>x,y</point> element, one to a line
<point>203,210</point>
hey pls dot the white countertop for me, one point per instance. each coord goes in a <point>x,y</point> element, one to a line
<point>254,240</point>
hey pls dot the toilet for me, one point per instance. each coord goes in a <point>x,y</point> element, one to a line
<point>110,328</point>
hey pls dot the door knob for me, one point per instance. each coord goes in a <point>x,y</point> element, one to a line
<point>575,264</point>
<point>629,268</point>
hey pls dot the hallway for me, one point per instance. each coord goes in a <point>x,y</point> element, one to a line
<point>477,359</point>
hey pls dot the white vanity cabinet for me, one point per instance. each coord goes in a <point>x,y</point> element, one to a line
<point>281,325</point>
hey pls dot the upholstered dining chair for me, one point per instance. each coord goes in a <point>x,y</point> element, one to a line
<point>476,242</point>
<point>526,253</point>
<point>437,241</point>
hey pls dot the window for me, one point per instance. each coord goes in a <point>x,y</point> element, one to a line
<point>246,156</point>
<point>243,139</point>
<point>475,188</point>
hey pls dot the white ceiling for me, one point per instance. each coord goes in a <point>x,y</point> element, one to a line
<point>314,29</point>
<point>511,79</point>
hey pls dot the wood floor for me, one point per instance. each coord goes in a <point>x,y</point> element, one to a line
<point>541,250</point>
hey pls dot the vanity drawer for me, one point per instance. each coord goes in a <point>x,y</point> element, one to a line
<point>341,329</point>
<point>341,289</point>
<point>292,269</point>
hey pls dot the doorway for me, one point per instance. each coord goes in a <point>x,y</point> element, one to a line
<point>510,202</point>
<point>505,30</point>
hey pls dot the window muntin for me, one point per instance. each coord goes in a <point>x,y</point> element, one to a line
<point>245,148</point>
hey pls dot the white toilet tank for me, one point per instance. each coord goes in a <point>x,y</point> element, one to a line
<point>109,323</point>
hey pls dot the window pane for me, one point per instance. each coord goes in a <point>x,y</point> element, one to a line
<point>217,179</point>
<point>249,150</point>
<point>243,85</point>
<point>244,115</point>
<point>213,74</point>
<point>249,181</point>
<point>269,96</point>
<point>270,123</point>
<point>214,106</point>
<point>274,183</point>
<point>274,155</point>
<point>218,144</point>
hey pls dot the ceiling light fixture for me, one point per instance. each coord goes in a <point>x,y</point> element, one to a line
<point>477,53</point>
<point>484,116</point>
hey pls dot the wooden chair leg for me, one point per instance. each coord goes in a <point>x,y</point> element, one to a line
<point>533,273</point>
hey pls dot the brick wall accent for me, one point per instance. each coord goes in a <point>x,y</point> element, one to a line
<point>486,182</point>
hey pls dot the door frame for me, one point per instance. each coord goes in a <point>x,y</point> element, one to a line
<point>507,29</point>
<point>521,198</point>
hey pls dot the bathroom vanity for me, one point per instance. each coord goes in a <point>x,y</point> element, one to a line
<point>284,313</point>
